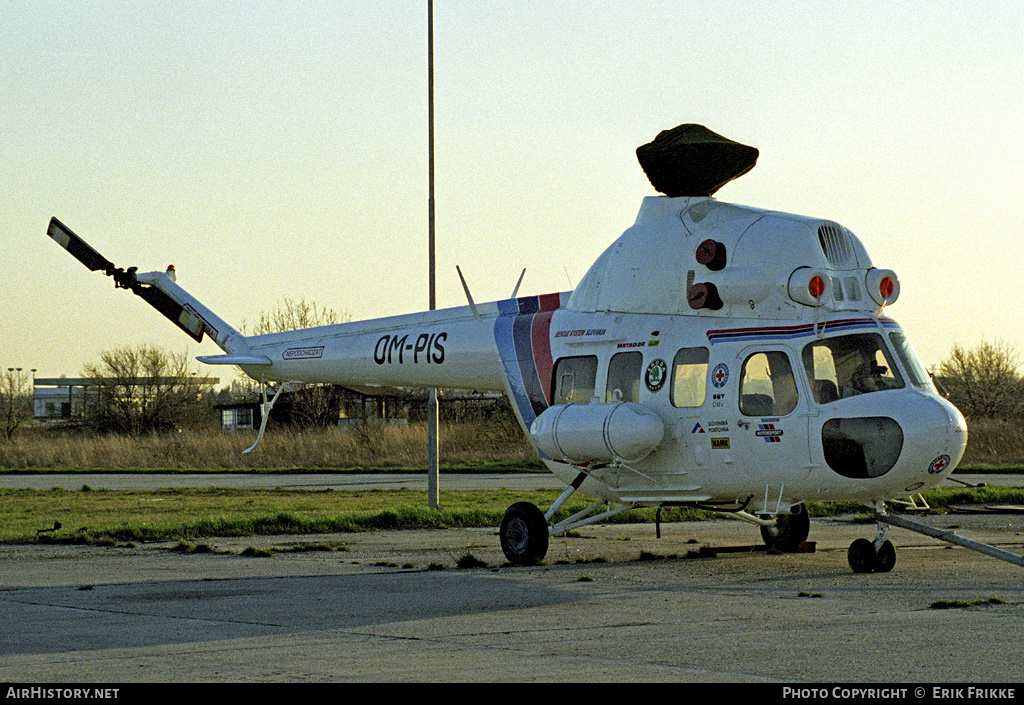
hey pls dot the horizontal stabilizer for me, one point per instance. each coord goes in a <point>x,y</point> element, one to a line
<point>234,359</point>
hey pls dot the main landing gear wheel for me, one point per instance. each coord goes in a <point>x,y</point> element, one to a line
<point>524,534</point>
<point>864,558</point>
<point>789,531</point>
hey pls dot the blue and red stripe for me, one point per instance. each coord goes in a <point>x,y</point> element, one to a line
<point>522,332</point>
<point>767,333</point>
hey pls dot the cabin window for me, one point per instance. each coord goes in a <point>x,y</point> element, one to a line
<point>624,377</point>
<point>689,377</point>
<point>575,379</point>
<point>767,385</point>
<point>843,367</point>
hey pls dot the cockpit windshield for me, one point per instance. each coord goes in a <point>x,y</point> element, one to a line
<point>919,376</point>
<point>843,367</point>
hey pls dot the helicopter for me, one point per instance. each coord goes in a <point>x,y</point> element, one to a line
<point>715,355</point>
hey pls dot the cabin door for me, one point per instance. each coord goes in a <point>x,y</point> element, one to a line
<point>770,437</point>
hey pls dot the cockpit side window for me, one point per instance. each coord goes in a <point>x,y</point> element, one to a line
<point>843,367</point>
<point>767,385</point>
<point>624,377</point>
<point>575,379</point>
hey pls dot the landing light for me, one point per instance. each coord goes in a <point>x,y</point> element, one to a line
<point>810,287</point>
<point>816,287</point>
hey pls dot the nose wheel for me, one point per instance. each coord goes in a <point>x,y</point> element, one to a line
<point>878,556</point>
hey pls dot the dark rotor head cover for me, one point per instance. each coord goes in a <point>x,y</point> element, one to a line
<point>691,160</point>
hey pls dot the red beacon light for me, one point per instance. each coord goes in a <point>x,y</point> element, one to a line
<point>883,286</point>
<point>810,286</point>
<point>816,287</point>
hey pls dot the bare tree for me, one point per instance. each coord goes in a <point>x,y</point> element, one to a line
<point>312,404</point>
<point>144,389</point>
<point>15,399</point>
<point>292,315</point>
<point>984,382</point>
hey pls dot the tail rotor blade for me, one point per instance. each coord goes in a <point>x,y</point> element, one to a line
<point>178,314</point>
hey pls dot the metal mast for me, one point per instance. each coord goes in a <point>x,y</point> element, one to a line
<point>432,415</point>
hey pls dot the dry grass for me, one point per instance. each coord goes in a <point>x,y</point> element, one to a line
<point>362,446</point>
<point>990,443</point>
<point>994,443</point>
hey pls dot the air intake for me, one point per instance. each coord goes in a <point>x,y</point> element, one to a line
<point>837,244</point>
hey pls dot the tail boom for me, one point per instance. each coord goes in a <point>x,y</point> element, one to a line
<point>445,348</point>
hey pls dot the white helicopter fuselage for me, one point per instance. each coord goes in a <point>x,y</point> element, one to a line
<point>714,354</point>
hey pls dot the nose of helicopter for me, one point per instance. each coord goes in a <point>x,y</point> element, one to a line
<point>911,446</point>
<point>935,437</point>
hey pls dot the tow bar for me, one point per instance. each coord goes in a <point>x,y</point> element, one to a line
<point>950,536</point>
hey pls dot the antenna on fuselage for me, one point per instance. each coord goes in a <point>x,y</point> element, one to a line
<point>516,290</point>
<point>469,297</point>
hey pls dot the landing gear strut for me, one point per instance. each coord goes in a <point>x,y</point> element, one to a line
<point>524,529</point>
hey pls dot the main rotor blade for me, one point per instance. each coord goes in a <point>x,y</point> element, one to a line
<point>178,314</point>
<point>79,248</point>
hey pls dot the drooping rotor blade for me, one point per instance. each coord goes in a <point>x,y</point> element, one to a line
<point>79,248</point>
<point>178,314</point>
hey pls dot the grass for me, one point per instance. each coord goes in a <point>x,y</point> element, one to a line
<point>992,443</point>
<point>105,516</point>
<point>481,467</point>
<point>966,604</point>
<point>462,446</point>
<point>992,446</point>
<point>468,560</point>
<point>188,515</point>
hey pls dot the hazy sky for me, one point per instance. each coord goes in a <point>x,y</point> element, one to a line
<point>272,149</point>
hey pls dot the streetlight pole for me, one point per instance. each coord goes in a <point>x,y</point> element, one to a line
<point>432,415</point>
